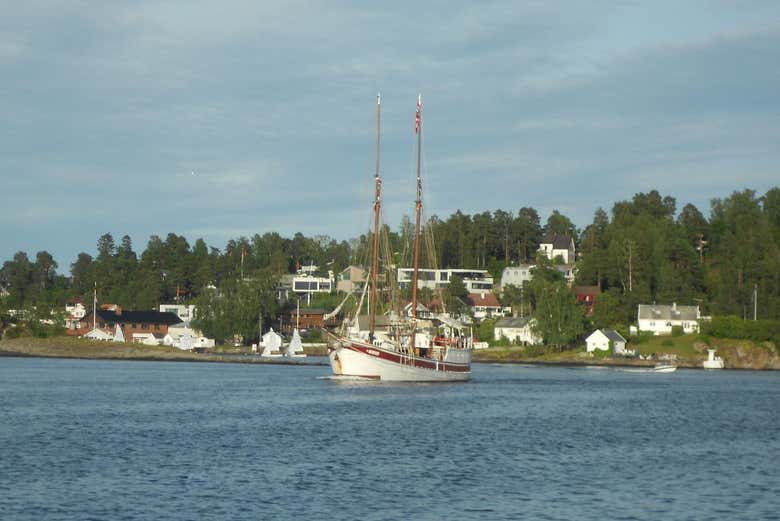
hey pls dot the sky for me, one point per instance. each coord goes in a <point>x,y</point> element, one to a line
<point>216,120</point>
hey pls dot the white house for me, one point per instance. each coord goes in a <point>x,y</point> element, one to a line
<point>601,340</point>
<point>558,246</point>
<point>182,336</point>
<point>185,312</point>
<point>660,318</point>
<point>484,305</point>
<point>517,329</point>
<point>516,275</point>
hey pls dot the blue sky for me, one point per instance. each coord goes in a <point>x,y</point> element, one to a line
<point>109,107</point>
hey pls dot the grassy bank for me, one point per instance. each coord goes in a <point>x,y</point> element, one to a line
<point>690,350</point>
<point>69,347</point>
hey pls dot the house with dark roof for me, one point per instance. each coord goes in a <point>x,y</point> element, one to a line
<point>604,339</point>
<point>553,246</point>
<point>130,322</point>
<point>518,330</point>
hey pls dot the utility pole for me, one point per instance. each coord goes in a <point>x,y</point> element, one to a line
<point>755,302</point>
<point>94,308</point>
<point>629,244</point>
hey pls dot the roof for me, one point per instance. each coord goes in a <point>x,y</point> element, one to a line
<point>559,242</point>
<point>483,299</point>
<point>586,290</point>
<point>508,322</point>
<point>666,312</point>
<point>613,335</point>
<point>139,317</point>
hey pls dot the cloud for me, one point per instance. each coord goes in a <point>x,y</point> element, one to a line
<point>109,107</point>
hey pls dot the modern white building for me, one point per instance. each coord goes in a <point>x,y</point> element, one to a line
<point>661,318</point>
<point>518,330</point>
<point>301,284</point>
<point>474,280</point>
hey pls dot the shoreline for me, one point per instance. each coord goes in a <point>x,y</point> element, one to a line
<point>72,348</point>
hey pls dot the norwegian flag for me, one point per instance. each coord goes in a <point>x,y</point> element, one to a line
<point>418,115</point>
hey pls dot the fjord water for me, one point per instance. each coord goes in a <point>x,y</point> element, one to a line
<point>151,440</point>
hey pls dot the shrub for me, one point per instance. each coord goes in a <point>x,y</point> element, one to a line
<point>668,343</point>
<point>534,351</point>
<point>735,327</point>
<point>677,331</point>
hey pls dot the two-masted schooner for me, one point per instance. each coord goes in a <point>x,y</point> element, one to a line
<point>405,349</point>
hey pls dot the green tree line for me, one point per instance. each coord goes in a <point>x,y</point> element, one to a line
<point>643,250</point>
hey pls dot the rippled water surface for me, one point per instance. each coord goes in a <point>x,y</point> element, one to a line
<point>146,440</point>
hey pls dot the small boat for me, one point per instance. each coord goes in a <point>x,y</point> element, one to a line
<point>295,347</point>
<point>712,361</point>
<point>271,344</point>
<point>664,367</point>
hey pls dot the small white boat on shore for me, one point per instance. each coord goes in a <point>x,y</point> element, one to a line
<point>712,361</point>
<point>295,347</point>
<point>271,343</point>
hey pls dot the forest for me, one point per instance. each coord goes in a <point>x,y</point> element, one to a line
<point>642,250</point>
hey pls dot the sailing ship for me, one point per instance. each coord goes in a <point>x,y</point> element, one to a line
<point>405,348</point>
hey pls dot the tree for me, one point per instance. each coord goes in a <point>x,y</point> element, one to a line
<point>558,318</point>
<point>237,308</point>
<point>559,224</point>
<point>455,293</point>
<point>82,277</point>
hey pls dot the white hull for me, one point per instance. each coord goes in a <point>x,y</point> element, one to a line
<point>357,359</point>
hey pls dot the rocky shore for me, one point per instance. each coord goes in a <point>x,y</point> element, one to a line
<point>737,354</point>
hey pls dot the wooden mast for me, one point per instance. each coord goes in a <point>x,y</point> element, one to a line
<point>377,205</point>
<point>418,205</point>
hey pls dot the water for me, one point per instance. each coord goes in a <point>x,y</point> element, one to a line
<point>146,440</point>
